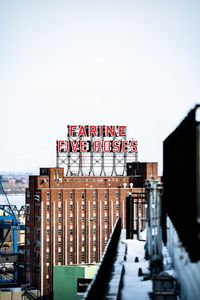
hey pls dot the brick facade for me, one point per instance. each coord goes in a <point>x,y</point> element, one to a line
<point>69,219</point>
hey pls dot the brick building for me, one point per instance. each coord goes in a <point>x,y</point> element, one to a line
<point>69,218</point>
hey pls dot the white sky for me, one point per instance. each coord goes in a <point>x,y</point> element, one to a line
<point>127,62</point>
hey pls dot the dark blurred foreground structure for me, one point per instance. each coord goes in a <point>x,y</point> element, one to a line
<point>181,199</point>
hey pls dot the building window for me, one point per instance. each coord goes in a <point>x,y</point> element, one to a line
<point>48,196</point>
<point>59,231</point>
<point>117,195</point>
<point>28,208</point>
<point>105,195</point>
<point>71,196</point>
<point>47,257</point>
<point>59,219</point>
<point>56,174</point>
<point>59,256</point>
<point>83,195</point>
<point>83,256</point>
<point>94,195</point>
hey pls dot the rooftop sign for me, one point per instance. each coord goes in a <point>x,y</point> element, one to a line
<point>96,139</point>
<point>96,147</point>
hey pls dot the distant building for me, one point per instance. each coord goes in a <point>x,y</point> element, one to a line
<point>69,218</point>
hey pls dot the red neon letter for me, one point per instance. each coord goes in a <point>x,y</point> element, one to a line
<point>122,131</point>
<point>83,145</point>
<point>124,146</point>
<point>97,146</point>
<point>72,129</point>
<point>93,131</point>
<point>82,131</point>
<point>110,131</point>
<point>60,145</point>
<point>116,146</point>
<point>133,145</point>
<point>107,146</point>
<point>74,145</point>
<point>100,130</point>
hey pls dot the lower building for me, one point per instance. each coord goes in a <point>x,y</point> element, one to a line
<point>70,282</point>
<point>69,219</point>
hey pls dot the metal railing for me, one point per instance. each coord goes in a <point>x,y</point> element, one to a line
<point>98,286</point>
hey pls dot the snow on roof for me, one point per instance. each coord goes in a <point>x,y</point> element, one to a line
<point>133,286</point>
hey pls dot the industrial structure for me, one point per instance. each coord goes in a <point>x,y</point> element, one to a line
<point>11,225</point>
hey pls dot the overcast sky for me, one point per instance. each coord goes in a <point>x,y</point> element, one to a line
<point>126,62</point>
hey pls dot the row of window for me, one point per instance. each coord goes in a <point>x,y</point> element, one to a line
<point>94,179</point>
<point>82,196</point>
